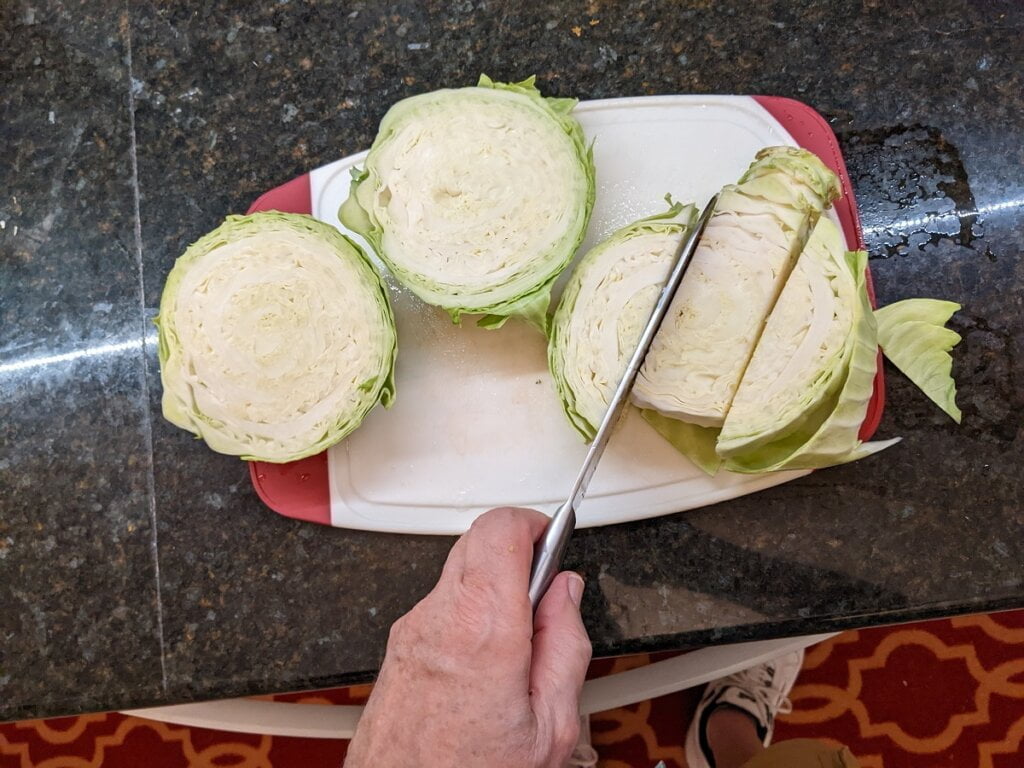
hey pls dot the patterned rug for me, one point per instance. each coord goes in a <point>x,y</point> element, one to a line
<point>929,695</point>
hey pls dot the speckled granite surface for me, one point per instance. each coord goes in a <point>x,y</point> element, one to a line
<point>137,567</point>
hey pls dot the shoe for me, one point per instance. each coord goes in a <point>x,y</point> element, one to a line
<point>760,692</point>
<point>584,755</point>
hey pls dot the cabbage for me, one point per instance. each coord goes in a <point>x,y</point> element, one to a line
<point>476,198</point>
<point>804,394</point>
<point>913,337</point>
<point>275,338</point>
<point>801,359</point>
<point>604,308</point>
<point>759,228</point>
<point>812,374</point>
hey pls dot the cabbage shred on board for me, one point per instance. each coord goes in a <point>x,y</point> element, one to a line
<point>275,338</point>
<point>476,198</point>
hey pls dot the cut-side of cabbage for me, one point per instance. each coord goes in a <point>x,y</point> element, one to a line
<point>476,198</point>
<point>747,251</point>
<point>913,336</point>
<point>275,338</point>
<point>603,310</point>
<point>827,434</point>
<point>801,358</point>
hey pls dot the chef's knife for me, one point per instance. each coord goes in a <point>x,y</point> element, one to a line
<point>549,550</point>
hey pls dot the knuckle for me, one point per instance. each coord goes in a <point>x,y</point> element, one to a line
<point>490,525</point>
<point>476,587</point>
<point>519,528</point>
<point>468,621</point>
<point>503,513</point>
<point>514,519</point>
<point>473,609</point>
<point>584,648</point>
<point>398,632</point>
<point>408,629</point>
<point>479,625</point>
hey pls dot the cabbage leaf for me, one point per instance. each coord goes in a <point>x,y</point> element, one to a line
<point>827,434</point>
<point>913,336</point>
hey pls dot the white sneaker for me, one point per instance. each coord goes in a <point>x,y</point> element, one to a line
<point>759,691</point>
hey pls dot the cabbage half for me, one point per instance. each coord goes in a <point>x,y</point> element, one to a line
<point>913,337</point>
<point>812,375</point>
<point>275,339</point>
<point>476,198</point>
<point>604,308</point>
<point>759,228</point>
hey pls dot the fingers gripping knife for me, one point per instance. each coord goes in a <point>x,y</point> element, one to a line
<point>547,556</point>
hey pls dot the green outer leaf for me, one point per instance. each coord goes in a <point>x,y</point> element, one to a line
<point>356,213</point>
<point>379,389</point>
<point>912,335</point>
<point>532,307</point>
<point>934,311</point>
<point>677,218</point>
<point>695,442</point>
<point>830,435</point>
<point>529,88</point>
<point>353,215</point>
<point>806,166</point>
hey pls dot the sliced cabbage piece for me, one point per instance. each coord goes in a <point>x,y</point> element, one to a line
<point>604,307</point>
<point>826,434</point>
<point>476,198</point>
<point>913,336</point>
<point>759,228</point>
<point>802,356</point>
<point>275,338</point>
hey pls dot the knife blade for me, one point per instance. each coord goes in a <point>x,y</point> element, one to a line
<point>550,548</point>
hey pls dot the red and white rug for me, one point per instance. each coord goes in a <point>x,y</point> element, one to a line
<point>928,695</point>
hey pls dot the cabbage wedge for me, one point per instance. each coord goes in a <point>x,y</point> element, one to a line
<point>913,336</point>
<point>803,355</point>
<point>476,198</point>
<point>751,243</point>
<point>604,307</point>
<point>275,338</point>
<point>806,391</point>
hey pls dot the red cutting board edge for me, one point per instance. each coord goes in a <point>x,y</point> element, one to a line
<point>300,489</point>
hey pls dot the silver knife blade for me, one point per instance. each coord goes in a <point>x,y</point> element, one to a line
<point>550,548</point>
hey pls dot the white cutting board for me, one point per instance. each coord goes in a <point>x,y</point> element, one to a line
<point>477,423</point>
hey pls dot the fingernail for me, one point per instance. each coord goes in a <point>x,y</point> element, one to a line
<point>576,585</point>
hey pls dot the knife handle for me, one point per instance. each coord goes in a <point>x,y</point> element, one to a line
<point>549,551</point>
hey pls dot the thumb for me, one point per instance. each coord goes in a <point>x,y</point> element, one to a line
<point>561,653</point>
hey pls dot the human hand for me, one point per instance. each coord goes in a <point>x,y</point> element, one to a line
<point>471,677</point>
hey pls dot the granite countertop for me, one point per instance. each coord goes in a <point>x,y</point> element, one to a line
<point>137,567</point>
